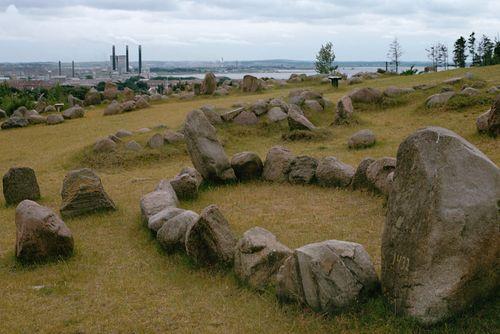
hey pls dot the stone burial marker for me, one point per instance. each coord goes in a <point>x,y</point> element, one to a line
<point>205,150</point>
<point>20,183</point>
<point>441,241</point>
<point>40,233</point>
<point>83,193</point>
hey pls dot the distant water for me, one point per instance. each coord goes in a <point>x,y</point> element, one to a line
<point>285,74</point>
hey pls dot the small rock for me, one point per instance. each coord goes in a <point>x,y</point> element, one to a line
<point>482,122</point>
<point>156,141</point>
<point>213,117</point>
<point>114,108</point>
<point>313,106</point>
<point>123,133</point>
<point>469,91</point>
<point>185,186</point>
<point>133,146</point>
<point>143,130</point>
<point>104,145</point>
<point>276,114</point>
<point>246,118</point>
<point>73,112</point>
<point>230,115</point>
<point>156,221</point>
<point>14,122</point>
<point>163,197</point>
<point>345,110</point>
<point>438,99</point>
<point>259,107</point>
<point>365,95</point>
<point>172,137</point>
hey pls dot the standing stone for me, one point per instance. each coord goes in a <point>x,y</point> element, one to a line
<point>209,84</point>
<point>276,165</point>
<point>333,173</point>
<point>327,276</point>
<point>494,119</point>
<point>377,174</point>
<point>205,150</point>
<point>20,183</point>
<point>172,234</point>
<point>246,118</point>
<point>251,84</point>
<point>345,110</point>
<point>40,233</point>
<point>362,139</point>
<point>247,165</point>
<point>163,197</point>
<point>302,170</point>
<point>441,241</point>
<point>258,257</point>
<point>210,240</point>
<point>360,180</point>
<point>93,97</point>
<point>110,91</point>
<point>83,193</point>
<point>156,141</point>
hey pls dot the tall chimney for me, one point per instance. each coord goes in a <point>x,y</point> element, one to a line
<point>60,73</point>
<point>73,68</point>
<point>127,68</point>
<point>113,56</point>
<point>140,59</point>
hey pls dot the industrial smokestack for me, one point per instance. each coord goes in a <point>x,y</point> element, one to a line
<point>140,59</point>
<point>60,73</point>
<point>113,56</point>
<point>127,68</point>
<point>73,68</point>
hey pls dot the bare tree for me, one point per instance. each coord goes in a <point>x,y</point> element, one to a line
<point>438,54</point>
<point>395,52</point>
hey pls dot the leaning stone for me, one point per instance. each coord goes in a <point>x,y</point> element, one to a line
<point>440,245</point>
<point>83,193</point>
<point>40,233</point>
<point>205,150</point>
<point>247,165</point>
<point>210,240</point>
<point>258,257</point>
<point>328,276</point>
<point>297,121</point>
<point>172,234</point>
<point>156,221</point>
<point>277,163</point>
<point>104,145</point>
<point>333,173</point>
<point>230,115</point>
<point>377,173</point>
<point>360,180</point>
<point>362,139</point>
<point>163,197</point>
<point>302,170</point>
<point>19,184</point>
<point>345,110</point>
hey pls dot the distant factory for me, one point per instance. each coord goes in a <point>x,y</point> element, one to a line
<point>121,63</point>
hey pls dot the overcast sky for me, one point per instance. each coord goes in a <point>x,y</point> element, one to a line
<point>84,30</point>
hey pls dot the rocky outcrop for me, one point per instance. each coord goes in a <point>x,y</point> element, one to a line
<point>258,257</point>
<point>82,193</point>
<point>19,184</point>
<point>209,240</point>
<point>40,233</point>
<point>205,150</point>
<point>441,241</point>
<point>328,276</point>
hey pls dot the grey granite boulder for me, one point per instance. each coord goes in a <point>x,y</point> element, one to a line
<point>362,139</point>
<point>156,221</point>
<point>377,173</point>
<point>172,234</point>
<point>360,180</point>
<point>277,163</point>
<point>19,184</point>
<point>302,170</point>
<point>332,172</point>
<point>162,197</point>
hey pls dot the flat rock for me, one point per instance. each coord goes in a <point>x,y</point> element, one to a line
<point>19,184</point>
<point>82,193</point>
<point>258,257</point>
<point>328,276</point>
<point>277,163</point>
<point>441,241</point>
<point>331,172</point>
<point>210,240</point>
<point>40,233</point>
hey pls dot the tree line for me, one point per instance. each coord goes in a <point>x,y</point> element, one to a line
<point>479,52</point>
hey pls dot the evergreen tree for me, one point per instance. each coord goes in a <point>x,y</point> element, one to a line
<point>325,58</point>
<point>486,48</point>
<point>496,51</point>
<point>459,56</point>
<point>475,58</point>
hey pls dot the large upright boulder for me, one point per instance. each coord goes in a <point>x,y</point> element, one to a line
<point>251,84</point>
<point>40,233</point>
<point>19,184</point>
<point>327,276</point>
<point>205,150</point>
<point>110,91</point>
<point>210,240</point>
<point>441,241</point>
<point>258,257</point>
<point>82,193</point>
<point>93,97</point>
<point>344,111</point>
<point>209,84</point>
<point>276,165</point>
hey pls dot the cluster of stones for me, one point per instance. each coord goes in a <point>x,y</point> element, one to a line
<point>362,76</point>
<point>40,233</point>
<point>130,102</point>
<point>274,109</point>
<point>112,142</point>
<point>23,117</point>
<point>440,243</point>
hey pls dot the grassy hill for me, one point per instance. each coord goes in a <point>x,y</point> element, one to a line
<point>120,281</point>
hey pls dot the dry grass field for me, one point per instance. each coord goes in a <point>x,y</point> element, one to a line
<point>120,281</point>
